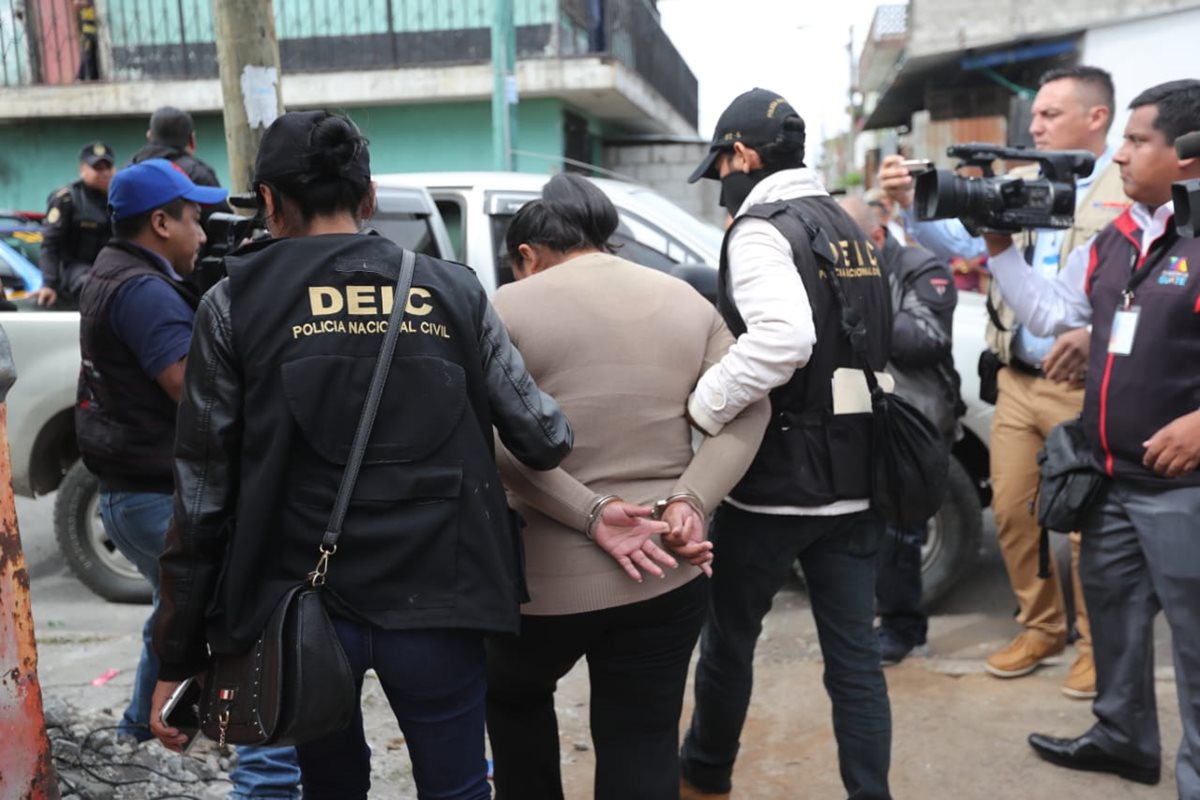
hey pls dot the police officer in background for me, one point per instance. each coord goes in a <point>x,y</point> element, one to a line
<point>806,493</point>
<point>172,135</point>
<point>923,301</point>
<point>76,228</point>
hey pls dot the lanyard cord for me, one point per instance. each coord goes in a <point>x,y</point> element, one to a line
<point>1137,276</point>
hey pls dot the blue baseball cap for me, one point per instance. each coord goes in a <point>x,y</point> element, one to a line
<point>152,184</point>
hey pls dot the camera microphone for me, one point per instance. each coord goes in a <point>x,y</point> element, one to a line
<point>1188,145</point>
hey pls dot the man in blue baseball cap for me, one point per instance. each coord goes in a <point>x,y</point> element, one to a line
<point>134,335</point>
<point>135,331</point>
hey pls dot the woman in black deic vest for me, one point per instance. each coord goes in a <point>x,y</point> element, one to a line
<point>430,557</point>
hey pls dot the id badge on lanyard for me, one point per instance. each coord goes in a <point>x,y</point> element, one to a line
<point>1124,326</point>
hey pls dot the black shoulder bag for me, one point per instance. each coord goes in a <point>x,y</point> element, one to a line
<point>1068,483</point>
<point>909,461</point>
<point>294,684</point>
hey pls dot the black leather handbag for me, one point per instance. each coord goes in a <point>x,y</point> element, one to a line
<point>909,459</point>
<point>294,684</point>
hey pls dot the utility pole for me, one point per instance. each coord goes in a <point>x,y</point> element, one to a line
<point>248,56</point>
<point>504,83</point>
<point>26,761</point>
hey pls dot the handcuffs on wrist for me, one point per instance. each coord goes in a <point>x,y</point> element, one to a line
<point>660,506</point>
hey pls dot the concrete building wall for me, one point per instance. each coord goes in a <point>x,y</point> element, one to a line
<point>665,167</point>
<point>1121,49</point>
<point>937,26</point>
<point>38,156</point>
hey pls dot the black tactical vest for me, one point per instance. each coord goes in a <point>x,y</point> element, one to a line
<point>124,421</point>
<point>90,226</point>
<point>810,456</point>
<point>428,540</point>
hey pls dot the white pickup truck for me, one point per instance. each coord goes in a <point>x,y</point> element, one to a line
<point>41,410</point>
<point>441,214</point>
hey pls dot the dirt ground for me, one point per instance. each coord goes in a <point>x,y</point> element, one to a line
<point>958,732</point>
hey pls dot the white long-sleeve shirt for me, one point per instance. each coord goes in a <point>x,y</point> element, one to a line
<point>770,296</point>
<point>1049,306</point>
<point>780,332</point>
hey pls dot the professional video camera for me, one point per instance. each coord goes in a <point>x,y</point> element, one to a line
<point>1003,203</point>
<point>1186,194</point>
<point>225,232</point>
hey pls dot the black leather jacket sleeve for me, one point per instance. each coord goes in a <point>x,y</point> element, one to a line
<point>923,300</point>
<point>529,421</point>
<point>207,445</point>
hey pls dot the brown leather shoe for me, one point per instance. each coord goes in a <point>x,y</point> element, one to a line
<point>1023,654</point>
<point>1081,681</point>
<point>689,792</point>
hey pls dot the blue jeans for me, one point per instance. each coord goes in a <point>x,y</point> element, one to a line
<point>137,524</point>
<point>434,681</point>
<point>754,555</point>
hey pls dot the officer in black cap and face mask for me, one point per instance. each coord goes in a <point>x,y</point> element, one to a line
<point>76,228</point>
<point>805,495</point>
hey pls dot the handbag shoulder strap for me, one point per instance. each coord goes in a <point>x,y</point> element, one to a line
<point>366,420</point>
<point>854,327</point>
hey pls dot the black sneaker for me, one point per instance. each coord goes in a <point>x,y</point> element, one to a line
<point>893,648</point>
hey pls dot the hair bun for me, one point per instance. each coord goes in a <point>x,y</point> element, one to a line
<point>335,149</point>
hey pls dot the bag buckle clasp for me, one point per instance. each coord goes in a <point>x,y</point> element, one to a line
<point>317,576</point>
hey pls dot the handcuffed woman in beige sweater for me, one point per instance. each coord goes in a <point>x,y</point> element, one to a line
<point>620,347</point>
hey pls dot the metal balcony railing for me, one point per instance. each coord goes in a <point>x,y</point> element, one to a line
<point>41,42</point>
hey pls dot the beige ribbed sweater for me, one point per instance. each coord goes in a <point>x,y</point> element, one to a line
<point>620,347</point>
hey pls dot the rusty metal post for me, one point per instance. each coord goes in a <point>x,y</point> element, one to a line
<point>26,766</point>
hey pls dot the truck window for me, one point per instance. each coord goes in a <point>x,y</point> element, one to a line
<point>410,231</point>
<point>453,214</point>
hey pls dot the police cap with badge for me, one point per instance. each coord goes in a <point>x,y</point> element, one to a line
<point>95,153</point>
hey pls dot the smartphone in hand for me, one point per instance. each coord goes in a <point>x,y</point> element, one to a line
<point>916,166</point>
<point>182,710</point>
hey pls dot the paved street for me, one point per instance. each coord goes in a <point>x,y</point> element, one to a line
<point>959,733</point>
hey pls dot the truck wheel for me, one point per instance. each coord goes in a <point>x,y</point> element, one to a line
<point>86,547</point>
<point>952,542</point>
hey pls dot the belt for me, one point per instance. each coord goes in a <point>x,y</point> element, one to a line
<point>1026,368</point>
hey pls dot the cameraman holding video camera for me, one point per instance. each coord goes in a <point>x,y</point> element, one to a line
<point>1042,384</point>
<point>1141,553</point>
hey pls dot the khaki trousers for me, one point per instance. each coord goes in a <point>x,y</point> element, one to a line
<point>1027,409</point>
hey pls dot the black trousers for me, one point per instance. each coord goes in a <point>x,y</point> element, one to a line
<point>637,657</point>
<point>898,584</point>
<point>754,555</point>
<point>1141,555</point>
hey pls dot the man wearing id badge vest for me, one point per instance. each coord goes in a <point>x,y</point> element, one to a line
<point>1141,554</point>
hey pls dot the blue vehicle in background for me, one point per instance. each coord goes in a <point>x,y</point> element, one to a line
<point>20,241</point>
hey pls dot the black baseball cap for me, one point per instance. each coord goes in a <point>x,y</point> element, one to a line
<point>92,154</point>
<point>754,118</point>
<point>286,147</point>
